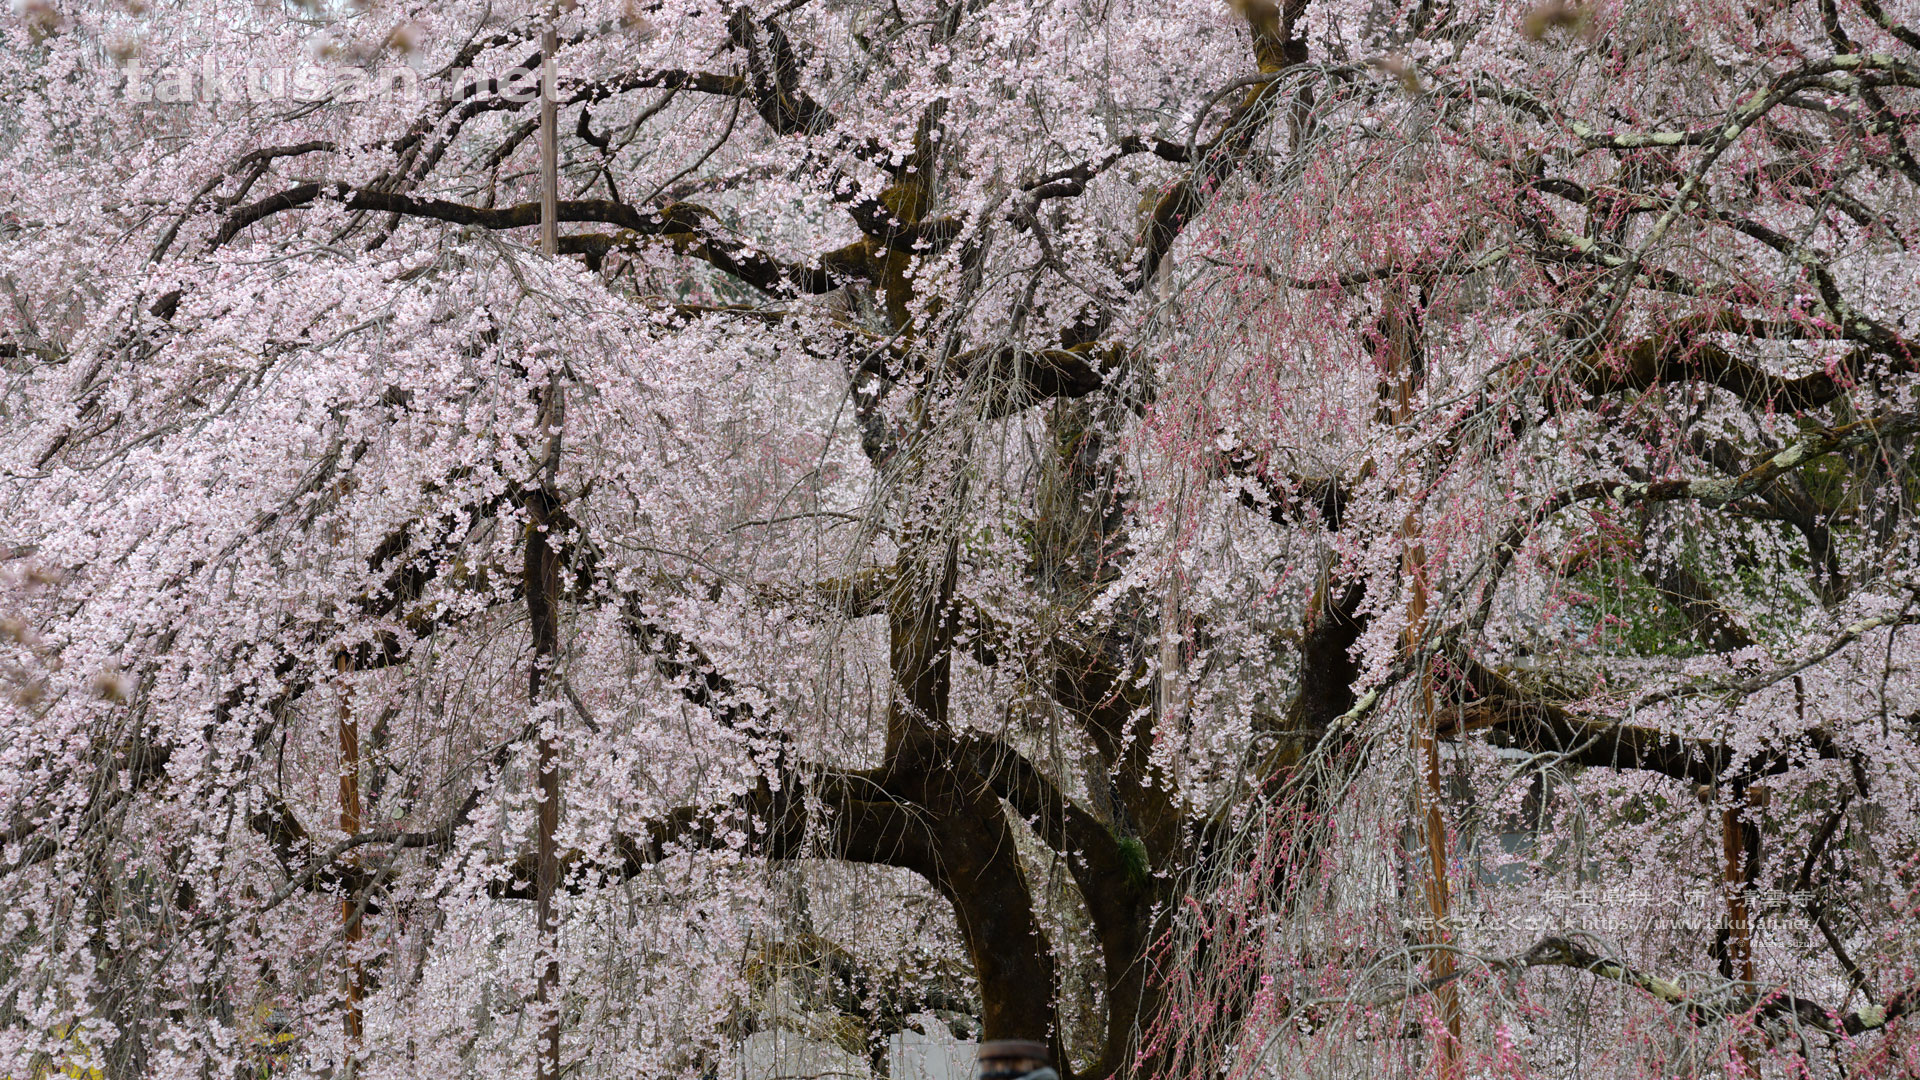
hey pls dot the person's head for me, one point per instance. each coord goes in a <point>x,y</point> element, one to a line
<point>1011,1059</point>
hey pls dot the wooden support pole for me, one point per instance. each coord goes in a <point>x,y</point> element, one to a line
<point>1400,325</point>
<point>1429,798</point>
<point>1740,848</point>
<point>351,923</point>
<point>542,584</point>
<point>549,146</point>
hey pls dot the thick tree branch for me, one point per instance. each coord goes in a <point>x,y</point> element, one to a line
<point>1518,719</point>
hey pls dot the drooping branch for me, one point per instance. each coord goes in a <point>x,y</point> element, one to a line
<point>1027,377</point>
<point>1779,1004</point>
<point>1277,45</point>
<point>1733,493</point>
<point>1300,499</point>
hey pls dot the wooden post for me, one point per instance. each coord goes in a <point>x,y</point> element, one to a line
<point>1399,325</point>
<point>352,930</point>
<point>549,147</point>
<point>1739,845</point>
<point>1733,844</point>
<point>1426,739</point>
<point>542,584</point>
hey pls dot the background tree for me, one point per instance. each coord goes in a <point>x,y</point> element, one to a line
<point>1181,531</point>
